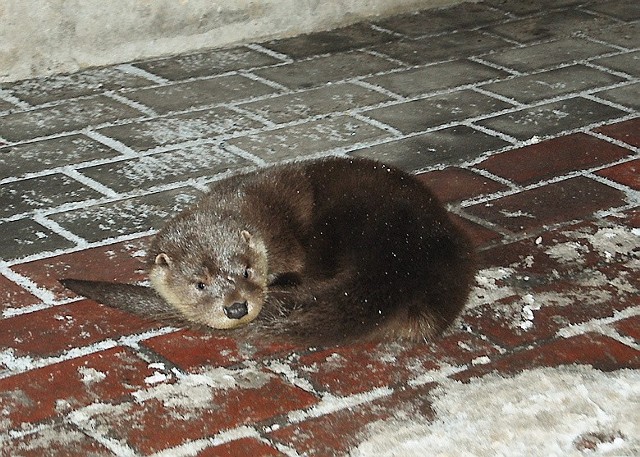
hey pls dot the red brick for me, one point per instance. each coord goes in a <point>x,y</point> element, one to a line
<point>53,440</point>
<point>50,331</point>
<point>14,296</point>
<point>575,198</point>
<point>189,349</point>
<point>479,235</point>
<point>453,184</point>
<point>599,351</point>
<point>627,131</point>
<point>242,447</point>
<point>46,392</point>
<point>629,327</point>
<point>552,158</point>
<point>627,173</point>
<point>122,262</point>
<point>153,425</point>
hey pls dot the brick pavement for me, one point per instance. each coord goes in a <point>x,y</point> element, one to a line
<point>522,116</point>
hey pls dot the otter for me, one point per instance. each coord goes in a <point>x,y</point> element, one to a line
<point>316,252</point>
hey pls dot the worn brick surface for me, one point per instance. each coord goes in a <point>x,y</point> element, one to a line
<point>522,117</point>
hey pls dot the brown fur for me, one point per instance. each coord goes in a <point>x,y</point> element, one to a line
<point>333,250</point>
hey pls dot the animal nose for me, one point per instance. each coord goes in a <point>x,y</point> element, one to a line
<point>237,310</point>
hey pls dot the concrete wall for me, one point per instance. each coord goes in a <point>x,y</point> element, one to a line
<point>40,37</point>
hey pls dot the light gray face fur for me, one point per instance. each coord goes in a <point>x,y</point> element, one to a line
<point>203,278</point>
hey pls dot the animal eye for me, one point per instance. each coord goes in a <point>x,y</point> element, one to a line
<point>201,285</point>
<point>247,273</point>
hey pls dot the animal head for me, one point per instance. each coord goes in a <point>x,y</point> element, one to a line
<point>222,285</point>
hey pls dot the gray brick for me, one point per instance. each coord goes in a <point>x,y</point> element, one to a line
<point>43,192</point>
<point>164,168</point>
<point>59,87</point>
<point>308,139</point>
<point>43,155</point>
<point>628,96</point>
<point>126,217</point>
<point>545,55</point>
<point>521,8</point>
<point>197,125</point>
<point>338,40</point>
<point>444,47</point>
<point>208,63</point>
<point>625,35</point>
<point>200,93</point>
<point>324,100</point>
<point>627,63</point>
<point>25,237</point>
<point>436,77</point>
<point>551,118</point>
<point>443,147</point>
<point>625,10</point>
<point>6,106</point>
<point>311,73</point>
<point>552,25</point>
<point>67,116</point>
<point>552,83</point>
<point>434,21</point>
<point>433,111</point>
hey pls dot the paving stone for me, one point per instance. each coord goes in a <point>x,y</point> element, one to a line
<point>479,236</point>
<point>625,35</point>
<point>627,63</point>
<point>244,446</point>
<point>12,296</point>
<point>419,115</point>
<point>337,40</point>
<point>125,217</point>
<point>626,131</point>
<point>121,262</point>
<point>192,350</point>
<point>306,74</point>
<point>66,116</point>
<point>551,118</point>
<point>179,128</point>
<point>630,327</point>
<point>66,327</point>
<point>554,157</point>
<point>627,173</point>
<point>308,139</point>
<point>435,21</point>
<point>315,102</point>
<point>6,106</point>
<point>153,424</point>
<point>164,168</point>
<point>525,8</point>
<point>599,351</point>
<point>575,78</point>
<point>206,63</point>
<point>555,24</point>
<point>46,154</point>
<point>446,75</point>
<point>54,440</point>
<point>626,10</point>
<point>544,55</point>
<point>628,96</point>
<point>40,193</point>
<point>24,237</point>
<point>455,184</point>
<point>200,93</point>
<point>451,145</point>
<point>442,47</point>
<point>60,87</point>
<point>575,198</point>
<point>43,393</point>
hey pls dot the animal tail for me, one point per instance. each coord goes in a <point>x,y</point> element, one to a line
<point>140,300</point>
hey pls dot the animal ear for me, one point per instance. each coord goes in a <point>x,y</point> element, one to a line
<point>163,260</point>
<point>246,236</point>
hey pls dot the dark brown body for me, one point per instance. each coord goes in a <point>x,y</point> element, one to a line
<point>354,250</point>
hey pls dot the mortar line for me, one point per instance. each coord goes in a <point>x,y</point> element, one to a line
<point>132,69</point>
<point>270,52</point>
<point>147,111</point>
<point>9,97</point>
<point>56,228</point>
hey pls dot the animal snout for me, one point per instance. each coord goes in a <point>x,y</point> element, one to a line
<point>236,310</point>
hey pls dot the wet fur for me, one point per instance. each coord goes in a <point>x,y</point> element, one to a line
<point>356,250</point>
